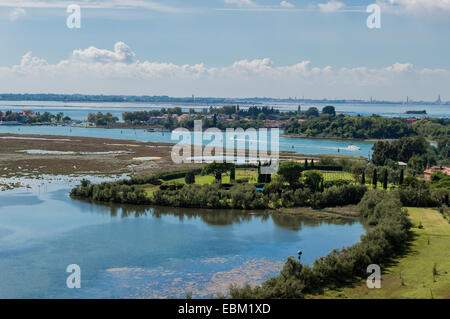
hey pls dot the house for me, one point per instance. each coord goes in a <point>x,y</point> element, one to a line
<point>402,164</point>
<point>410,121</point>
<point>272,124</point>
<point>431,170</point>
<point>184,117</point>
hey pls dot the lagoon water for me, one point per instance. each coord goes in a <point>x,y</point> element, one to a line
<point>145,252</point>
<point>298,145</point>
<point>80,110</point>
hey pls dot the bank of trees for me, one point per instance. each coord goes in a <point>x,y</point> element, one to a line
<point>28,117</point>
<point>415,151</point>
<point>101,119</point>
<point>282,191</point>
<point>111,192</point>
<point>358,127</point>
<point>434,128</point>
<point>387,238</point>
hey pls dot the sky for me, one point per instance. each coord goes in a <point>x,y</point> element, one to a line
<point>228,48</point>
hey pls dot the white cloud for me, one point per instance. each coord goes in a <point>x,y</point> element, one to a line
<point>241,3</point>
<point>400,67</point>
<point>122,53</point>
<point>332,6</point>
<point>119,71</point>
<point>92,4</point>
<point>17,13</point>
<point>286,4</point>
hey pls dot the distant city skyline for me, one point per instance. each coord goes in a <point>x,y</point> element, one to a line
<point>200,99</point>
<point>228,48</point>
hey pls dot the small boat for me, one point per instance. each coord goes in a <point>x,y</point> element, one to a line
<point>353,148</point>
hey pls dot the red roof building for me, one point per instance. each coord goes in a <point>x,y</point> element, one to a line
<point>431,170</point>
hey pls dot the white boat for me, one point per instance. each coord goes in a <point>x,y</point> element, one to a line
<point>353,148</point>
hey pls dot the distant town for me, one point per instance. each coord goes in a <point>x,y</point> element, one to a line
<point>201,100</point>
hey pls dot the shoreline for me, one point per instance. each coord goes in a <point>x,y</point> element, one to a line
<point>340,213</point>
<point>336,138</point>
<point>370,140</point>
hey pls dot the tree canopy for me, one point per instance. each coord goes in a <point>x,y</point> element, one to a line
<point>290,172</point>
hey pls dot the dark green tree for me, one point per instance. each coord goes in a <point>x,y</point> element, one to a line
<point>233,173</point>
<point>322,186</point>
<point>312,112</point>
<point>217,169</point>
<point>313,180</point>
<point>385,179</point>
<point>375,179</point>
<point>329,110</point>
<point>190,178</point>
<point>261,178</point>
<point>290,172</point>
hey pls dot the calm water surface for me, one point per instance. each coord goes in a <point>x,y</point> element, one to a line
<point>80,110</point>
<point>143,252</point>
<point>298,145</point>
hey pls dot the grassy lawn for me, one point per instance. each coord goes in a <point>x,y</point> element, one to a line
<point>242,173</point>
<point>333,176</point>
<point>411,275</point>
<point>249,173</point>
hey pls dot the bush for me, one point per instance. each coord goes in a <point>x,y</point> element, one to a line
<point>338,196</point>
<point>336,182</point>
<point>190,177</point>
<point>418,194</point>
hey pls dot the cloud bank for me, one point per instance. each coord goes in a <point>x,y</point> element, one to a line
<point>119,71</point>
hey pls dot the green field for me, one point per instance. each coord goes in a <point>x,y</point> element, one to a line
<point>412,275</point>
<point>333,176</point>
<point>242,173</point>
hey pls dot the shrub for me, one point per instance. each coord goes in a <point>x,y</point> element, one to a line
<point>338,196</point>
<point>190,177</point>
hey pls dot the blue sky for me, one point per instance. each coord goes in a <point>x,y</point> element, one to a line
<point>407,56</point>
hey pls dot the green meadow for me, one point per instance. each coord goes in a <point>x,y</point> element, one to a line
<point>421,272</point>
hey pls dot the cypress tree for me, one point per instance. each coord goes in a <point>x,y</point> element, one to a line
<point>385,179</point>
<point>233,173</point>
<point>402,176</point>
<point>375,179</point>
<point>190,178</point>
<point>363,178</point>
<point>306,163</point>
